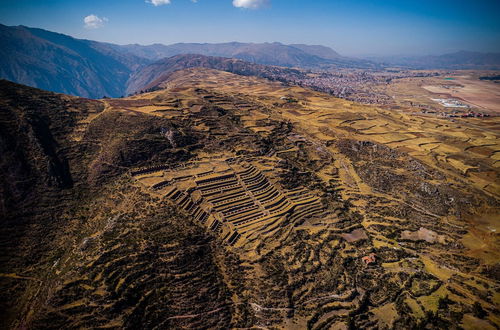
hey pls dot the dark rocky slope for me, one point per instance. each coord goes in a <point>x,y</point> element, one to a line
<point>63,64</point>
<point>67,227</point>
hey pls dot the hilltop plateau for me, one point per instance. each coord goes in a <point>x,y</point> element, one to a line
<point>226,201</point>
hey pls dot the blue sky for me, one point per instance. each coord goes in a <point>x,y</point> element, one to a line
<point>352,27</point>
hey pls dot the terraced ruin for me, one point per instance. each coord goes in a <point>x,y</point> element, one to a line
<point>232,197</point>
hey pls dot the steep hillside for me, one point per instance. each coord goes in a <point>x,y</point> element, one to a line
<point>41,169</point>
<point>152,75</point>
<point>68,217</point>
<point>344,215</point>
<point>63,64</point>
<point>223,201</point>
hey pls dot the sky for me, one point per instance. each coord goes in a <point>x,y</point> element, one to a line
<point>351,27</point>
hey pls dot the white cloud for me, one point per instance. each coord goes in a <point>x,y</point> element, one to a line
<point>250,4</point>
<point>158,2</point>
<point>94,21</point>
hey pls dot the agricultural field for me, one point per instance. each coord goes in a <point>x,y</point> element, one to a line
<point>467,87</point>
<point>419,192</point>
<point>461,87</point>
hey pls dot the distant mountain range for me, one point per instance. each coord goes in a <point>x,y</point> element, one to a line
<point>60,63</point>
<point>297,55</point>
<point>288,54</point>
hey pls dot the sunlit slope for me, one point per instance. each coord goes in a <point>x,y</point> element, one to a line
<point>419,193</point>
<point>466,149</point>
<point>224,201</point>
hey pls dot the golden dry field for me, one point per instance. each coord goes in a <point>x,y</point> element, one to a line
<point>464,86</point>
<point>484,95</point>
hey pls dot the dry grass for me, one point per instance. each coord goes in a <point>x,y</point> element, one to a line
<point>464,152</point>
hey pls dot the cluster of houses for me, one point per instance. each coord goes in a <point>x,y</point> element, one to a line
<point>456,114</point>
<point>472,114</point>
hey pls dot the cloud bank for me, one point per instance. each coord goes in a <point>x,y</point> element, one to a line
<point>94,21</point>
<point>250,4</point>
<point>158,2</point>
